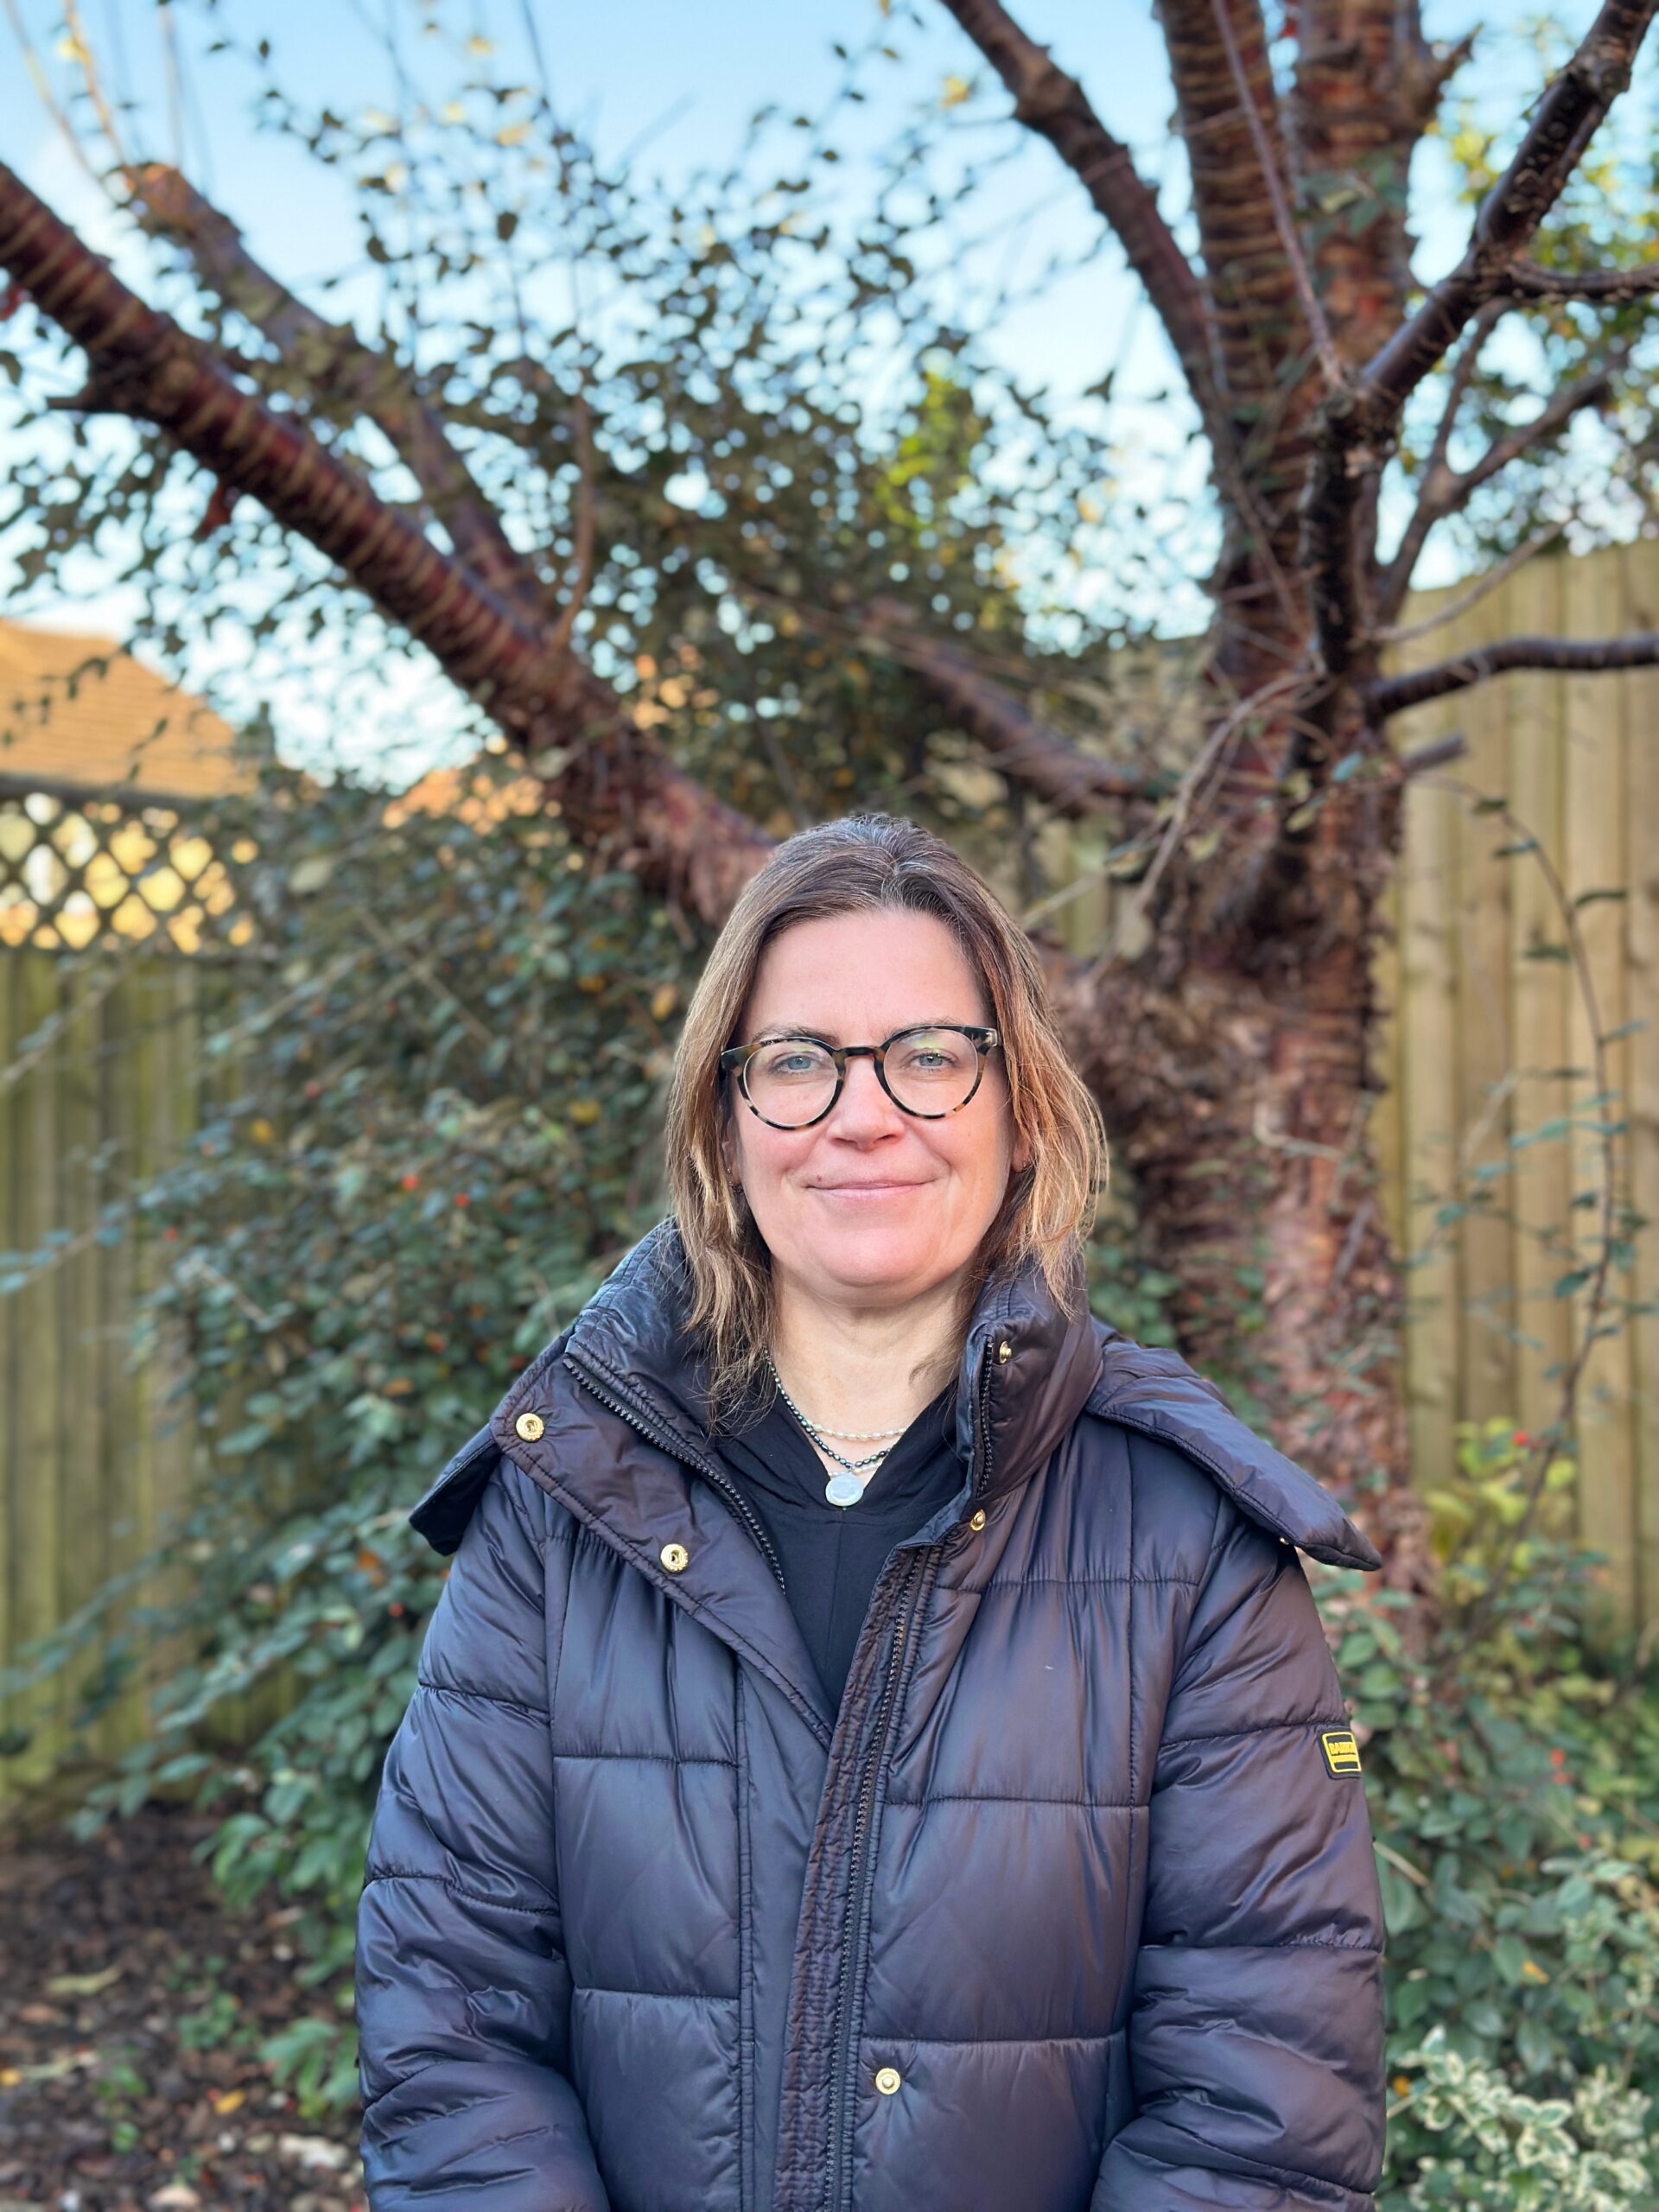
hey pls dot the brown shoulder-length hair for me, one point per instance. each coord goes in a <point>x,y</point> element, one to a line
<point>869,863</point>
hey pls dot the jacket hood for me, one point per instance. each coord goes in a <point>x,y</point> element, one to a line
<point>1157,1393</point>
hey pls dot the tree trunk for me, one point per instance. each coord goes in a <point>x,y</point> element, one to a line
<point>1232,1057</point>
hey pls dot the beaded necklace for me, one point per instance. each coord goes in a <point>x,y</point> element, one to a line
<point>846,1489</point>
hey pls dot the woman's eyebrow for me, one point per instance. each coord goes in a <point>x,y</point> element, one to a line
<point>775,1031</point>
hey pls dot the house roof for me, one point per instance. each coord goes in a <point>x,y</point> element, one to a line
<point>78,713</point>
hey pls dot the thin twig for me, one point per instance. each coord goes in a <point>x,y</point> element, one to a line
<point>1214,747</point>
<point>43,84</point>
<point>583,535</point>
<point>101,108</point>
<point>422,972</point>
<point>169,31</point>
<point>1284,223</point>
<point>1404,635</point>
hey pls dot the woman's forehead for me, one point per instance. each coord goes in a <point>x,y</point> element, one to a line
<point>856,977</point>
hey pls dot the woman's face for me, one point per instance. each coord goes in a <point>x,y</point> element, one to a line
<point>871,1205</point>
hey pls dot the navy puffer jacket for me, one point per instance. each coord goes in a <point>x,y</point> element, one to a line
<point>1070,1909</point>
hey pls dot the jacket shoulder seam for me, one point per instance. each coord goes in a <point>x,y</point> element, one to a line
<point>646,1758</point>
<point>1080,1582</point>
<point>1294,2174</point>
<point>455,1889</point>
<point>1016,2043</point>
<point>1361,1949</point>
<point>1259,1728</point>
<point>484,1697</point>
<point>1023,1797</point>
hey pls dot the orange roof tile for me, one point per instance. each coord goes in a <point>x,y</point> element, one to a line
<point>79,712</point>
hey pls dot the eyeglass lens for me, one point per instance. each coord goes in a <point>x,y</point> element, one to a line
<point>930,1070</point>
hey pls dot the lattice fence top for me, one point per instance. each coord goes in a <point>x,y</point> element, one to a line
<point>76,868</point>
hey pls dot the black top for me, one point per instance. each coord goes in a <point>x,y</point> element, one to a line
<point>832,1554</point>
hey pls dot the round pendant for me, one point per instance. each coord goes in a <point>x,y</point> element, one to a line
<point>843,1489</point>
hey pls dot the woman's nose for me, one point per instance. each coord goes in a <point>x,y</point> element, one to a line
<point>863,1106</point>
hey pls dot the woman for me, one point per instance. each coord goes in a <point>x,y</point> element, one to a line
<point>875,1751</point>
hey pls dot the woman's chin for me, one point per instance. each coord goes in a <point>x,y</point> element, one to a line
<point>903,1265</point>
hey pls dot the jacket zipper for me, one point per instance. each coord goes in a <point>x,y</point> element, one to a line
<point>982,1431</point>
<point>665,1441</point>
<point>842,2038</point>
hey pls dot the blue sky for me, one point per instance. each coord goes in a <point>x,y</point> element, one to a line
<point>671,82</point>
<point>676,80</point>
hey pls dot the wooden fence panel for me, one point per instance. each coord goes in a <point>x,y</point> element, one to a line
<point>97,1444</point>
<point>1488,1038</point>
<point>1640,689</point>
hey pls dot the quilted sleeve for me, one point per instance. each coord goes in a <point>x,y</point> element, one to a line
<point>463,1995</point>
<point>1255,2042</point>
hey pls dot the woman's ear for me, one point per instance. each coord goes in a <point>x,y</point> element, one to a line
<point>729,1157</point>
<point>1020,1158</point>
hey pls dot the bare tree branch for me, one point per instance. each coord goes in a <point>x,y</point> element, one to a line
<point>1049,102</point>
<point>1606,287</point>
<point>1393,694</point>
<point>336,364</point>
<point>1017,744</point>
<point>142,364</point>
<point>1439,753</point>
<point>1054,105</point>
<point>616,788</point>
<point>1259,316</point>
<point>1391,589</point>
<point>1269,163</point>
<point>1448,490</point>
<point>1357,426</point>
<point>1556,413</point>
<point>1562,125</point>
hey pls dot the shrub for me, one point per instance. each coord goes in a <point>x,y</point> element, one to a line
<point>1513,1777</point>
<point>1500,2151</point>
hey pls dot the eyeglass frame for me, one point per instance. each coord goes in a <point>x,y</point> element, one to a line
<point>734,1060</point>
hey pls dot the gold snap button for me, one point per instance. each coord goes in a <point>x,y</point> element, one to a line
<point>1005,1349</point>
<point>888,2080</point>
<point>978,1521</point>
<point>675,1558</point>
<point>530,1427</point>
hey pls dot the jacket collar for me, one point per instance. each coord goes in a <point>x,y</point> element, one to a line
<point>1026,1371</point>
<point>630,1347</point>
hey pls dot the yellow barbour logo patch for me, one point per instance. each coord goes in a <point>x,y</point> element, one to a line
<point>1341,1752</point>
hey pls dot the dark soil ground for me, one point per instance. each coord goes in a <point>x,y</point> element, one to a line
<point>130,2004</point>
